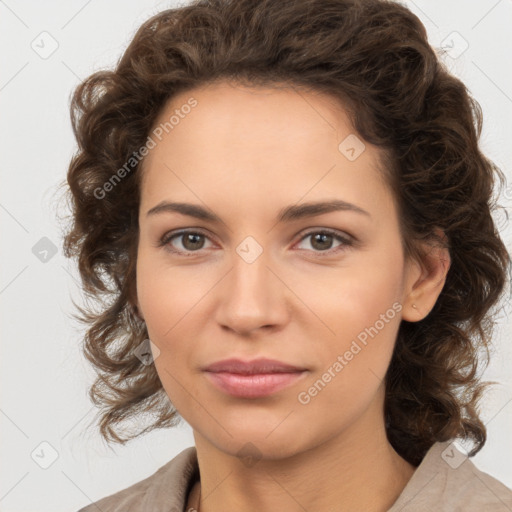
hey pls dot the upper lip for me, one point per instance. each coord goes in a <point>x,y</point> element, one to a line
<point>256,366</point>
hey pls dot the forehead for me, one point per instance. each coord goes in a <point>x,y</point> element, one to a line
<point>241,113</point>
<point>282,142</point>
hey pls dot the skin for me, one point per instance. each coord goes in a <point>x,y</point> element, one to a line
<point>246,153</point>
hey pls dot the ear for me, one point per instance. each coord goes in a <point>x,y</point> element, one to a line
<point>137,310</point>
<point>425,279</point>
<point>134,304</point>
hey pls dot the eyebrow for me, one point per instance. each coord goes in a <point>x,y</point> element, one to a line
<point>289,213</point>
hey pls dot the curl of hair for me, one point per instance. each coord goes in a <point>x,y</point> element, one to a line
<point>371,55</point>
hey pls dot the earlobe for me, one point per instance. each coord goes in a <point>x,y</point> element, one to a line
<point>413,313</point>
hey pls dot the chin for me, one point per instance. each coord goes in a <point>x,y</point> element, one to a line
<point>250,450</point>
<point>257,442</point>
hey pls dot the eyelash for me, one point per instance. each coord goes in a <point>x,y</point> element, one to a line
<point>166,239</point>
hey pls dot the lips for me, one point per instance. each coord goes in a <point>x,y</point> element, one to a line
<point>253,379</point>
<point>257,366</point>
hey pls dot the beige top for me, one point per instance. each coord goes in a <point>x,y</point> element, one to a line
<point>445,481</point>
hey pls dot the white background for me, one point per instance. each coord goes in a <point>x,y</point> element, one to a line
<point>44,376</point>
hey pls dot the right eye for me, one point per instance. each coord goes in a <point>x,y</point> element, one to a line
<point>189,240</point>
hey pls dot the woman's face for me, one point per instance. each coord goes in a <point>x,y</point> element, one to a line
<point>247,283</point>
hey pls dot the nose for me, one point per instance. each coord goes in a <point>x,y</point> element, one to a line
<point>251,297</point>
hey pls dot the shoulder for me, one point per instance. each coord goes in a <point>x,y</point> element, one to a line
<point>165,490</point>
<point>447,480</point>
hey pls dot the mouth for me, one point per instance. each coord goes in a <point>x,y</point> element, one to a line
<point>253,379</point>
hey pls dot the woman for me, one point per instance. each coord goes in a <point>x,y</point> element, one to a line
<point>288,199</point>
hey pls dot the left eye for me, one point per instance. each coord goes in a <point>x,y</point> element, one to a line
<point>193,241</point>
<point>323,240</point>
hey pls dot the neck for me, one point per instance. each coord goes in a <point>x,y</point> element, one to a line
<point>355,470</point>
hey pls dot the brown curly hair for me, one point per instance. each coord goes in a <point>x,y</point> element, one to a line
<point>374,57</point>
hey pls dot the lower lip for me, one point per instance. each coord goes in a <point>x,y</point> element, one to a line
<point>253,386</point>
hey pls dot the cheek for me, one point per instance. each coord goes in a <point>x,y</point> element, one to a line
<point>359,301</point>
<point>362,310</point>
<point>353,364</point>
<point>164,307</point>
<point>168,295</point>
<point>169,299</point>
